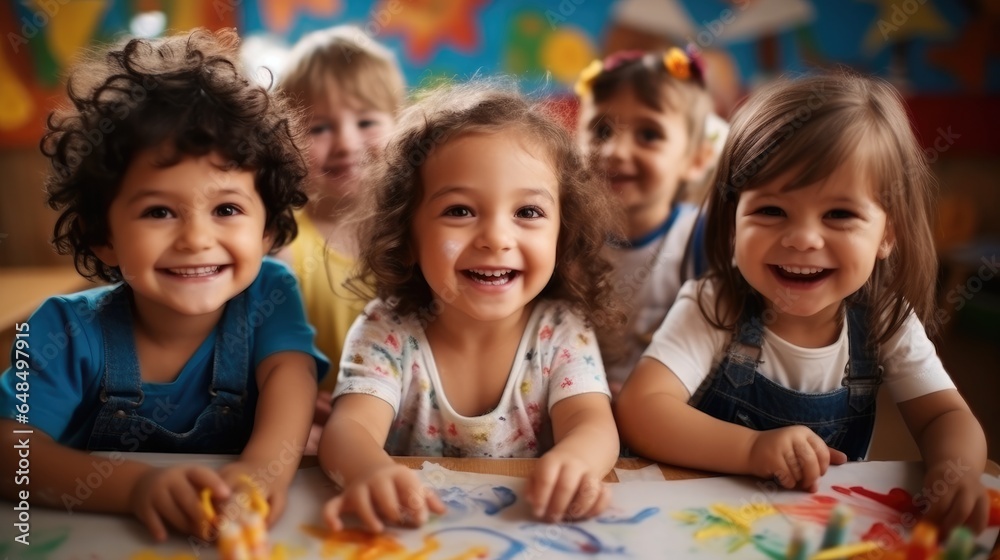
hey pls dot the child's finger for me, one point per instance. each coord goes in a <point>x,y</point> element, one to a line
<point>187,501</point>
<point>603,500</point>
<point>277,501</point>
<point>541,486</point>
<point>360,503</point>
<point>203,477</point>
<point>586,497</point>
<point>434,502</point>
<point>148,516</point>
<point>977,519</point>
<point>413,503</point>
<point>565,490</point>
<point>387,500</point>
<point>809,464</point>
<point>331,513</point>
<point>822,452</point>
<point>837,457</point>
<point>794,462</point>
<point>170,512</point>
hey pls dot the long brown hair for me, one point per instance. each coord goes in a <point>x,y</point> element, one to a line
<point>815,124</point>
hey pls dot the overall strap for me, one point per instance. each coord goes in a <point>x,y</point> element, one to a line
<point>863,374</point>
<point>231,358</point>
<point>122,381</point>
<point>743,353</point>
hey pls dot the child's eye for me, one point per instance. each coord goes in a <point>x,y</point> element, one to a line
<point>648,135</point>
<point>225,210</point>
<point>529,212</point>
<point>840,214</point>
<point>771,211</point>
<point>367,123</point>
<point>457,212</point>
<point>157,213</point>
<point>319,129</point>
<point>602,132</point>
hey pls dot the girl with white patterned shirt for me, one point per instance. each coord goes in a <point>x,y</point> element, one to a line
<point>483,240</point>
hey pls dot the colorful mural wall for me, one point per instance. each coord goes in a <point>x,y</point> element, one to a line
<point>929,48</point>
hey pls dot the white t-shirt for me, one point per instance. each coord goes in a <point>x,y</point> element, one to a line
<point>388,356</point>
<point>648,278</point>
<point>692,348</point>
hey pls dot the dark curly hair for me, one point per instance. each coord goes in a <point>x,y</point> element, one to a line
<point>387,261</point>
<point>188,91</point>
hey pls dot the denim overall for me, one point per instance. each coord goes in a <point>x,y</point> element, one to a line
<point>223,427</point>
<point>844,418</point>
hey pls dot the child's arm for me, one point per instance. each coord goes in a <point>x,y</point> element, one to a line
<point>375,488</point>
<point>953,447</point>
<point>656,422</point>
<point>59,478</point>
<point>567,481</point>
<point>287,382</point>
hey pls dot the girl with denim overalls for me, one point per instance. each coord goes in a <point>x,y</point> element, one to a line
<point>199,343</point>
<point>820,281</point>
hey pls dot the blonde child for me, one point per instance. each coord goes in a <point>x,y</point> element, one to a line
<point>351,88</point>
<point>200,343</point>
<point>643,117</point>
<point>483,236</point>
<point>821,269</point>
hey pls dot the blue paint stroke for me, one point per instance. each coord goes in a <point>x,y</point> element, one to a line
<point>516,546</point>
<point>492,501</point>
<point>612,519</point>
<point>566,542</point>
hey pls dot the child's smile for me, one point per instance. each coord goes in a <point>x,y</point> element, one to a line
<point>807,249</point>
<point>487,226</point>
<point>187,237</point>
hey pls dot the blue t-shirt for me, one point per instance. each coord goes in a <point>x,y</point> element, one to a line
<point>66,359</point>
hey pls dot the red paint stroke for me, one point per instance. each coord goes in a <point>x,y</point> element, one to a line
<point>886,536</point>
<point>897,498</point>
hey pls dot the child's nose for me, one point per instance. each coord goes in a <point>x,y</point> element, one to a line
<point>495,235</point>
<point>346,140</point>
<point>616,147</point>
<point>196,236</point>
<point>803,237</point>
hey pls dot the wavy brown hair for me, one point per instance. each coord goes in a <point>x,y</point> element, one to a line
<point>186,91</point>
<point>387,260</point>
<point>815,124</point>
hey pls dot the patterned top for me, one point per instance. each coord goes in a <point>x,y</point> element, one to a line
<point>388,356</point>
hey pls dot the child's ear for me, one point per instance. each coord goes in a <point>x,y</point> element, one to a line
<point>268,241</point>
<point>888,243</point>
<point>106,253</point>
<point>701,160</point>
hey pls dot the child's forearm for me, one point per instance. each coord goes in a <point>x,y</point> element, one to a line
<point>665,429</point>
<point>954,440</point>
<point>60,477</point>
<point>282,421</point>
<point>595,441</point>
<point>366,454</point>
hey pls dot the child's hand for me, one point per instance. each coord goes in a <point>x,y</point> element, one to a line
<point>171,496</point>
<point>793,456</point>
<point>274,489</point>
<point>392,493</point>
<point>562,486</point>
<point>962,502</point>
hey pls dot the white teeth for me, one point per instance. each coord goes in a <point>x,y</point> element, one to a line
<point>490,272</point>
<point>800,270</point>
<point>195,271</point>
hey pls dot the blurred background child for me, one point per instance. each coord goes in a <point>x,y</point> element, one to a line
<point>350,88</point>
<point>643,117</point>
